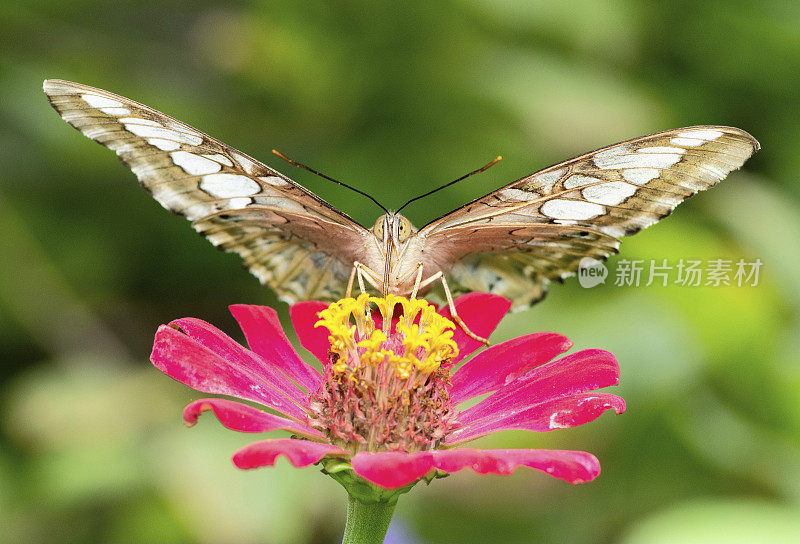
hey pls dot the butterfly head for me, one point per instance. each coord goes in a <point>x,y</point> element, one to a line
<point>393,230</point>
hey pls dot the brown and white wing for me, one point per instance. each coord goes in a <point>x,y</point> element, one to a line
<point>293,241</point>
<point>516,240</point>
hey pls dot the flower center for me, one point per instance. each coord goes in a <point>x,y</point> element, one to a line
<point>386,384</point>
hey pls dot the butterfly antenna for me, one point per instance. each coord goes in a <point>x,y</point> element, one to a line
<point>320,174</point>
<point>478,171</point>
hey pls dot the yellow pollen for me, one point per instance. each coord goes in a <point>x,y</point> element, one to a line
<point>421,339</point>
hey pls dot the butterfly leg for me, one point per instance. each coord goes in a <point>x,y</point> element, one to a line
<point>349,291</point>
<point>453,315</point>
<point>360,272</point>
<point>417,282</point>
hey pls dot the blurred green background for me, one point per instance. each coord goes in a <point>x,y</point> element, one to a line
<point>396,99</point>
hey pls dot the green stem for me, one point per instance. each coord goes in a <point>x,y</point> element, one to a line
<point>367,523</point>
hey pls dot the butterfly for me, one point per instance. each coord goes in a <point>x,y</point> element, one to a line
<point>512,242</point>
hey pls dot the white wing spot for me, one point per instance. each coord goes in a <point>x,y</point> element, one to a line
<point>220,159</point>
<point>193,164</point>
<point>116,111</point>
<point>613,230</point>
<point>97,101</point>
<point>146,131</point>
<point>275,181</point>
<point>229,185</point>
<point>240,202</point>
<point>578,181</point>
<point>640,176</point>
<point>610,194</point>
<point>548,179</point>
<point>613,152</point>
<point>687,142</point>
<point>577,210</point>
<point>701,134</point>
<point>249,166</point>
<point>656,149</point>
<point>182,128</point>
<point>515,194</point>
<point>640,160</point>
<point>137,121</point>
<point>279,202</point>
<point>164,145</point>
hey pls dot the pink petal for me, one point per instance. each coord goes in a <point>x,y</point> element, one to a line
<point>503,363</point>
<point>561,413</point>
<point>575,467</point>
<point>265,336</point>
<point>185,359</point>
<point>577,372</point>
<point>232,351</point>
<point>315,340</point>
<point>300,453</point>
<point>243,418</point>
<point>392,469</point>
<point>481,312</point>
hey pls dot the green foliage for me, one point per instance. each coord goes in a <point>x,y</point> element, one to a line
<point>396,100</point>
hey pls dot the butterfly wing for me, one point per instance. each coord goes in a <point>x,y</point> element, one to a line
<point>289,238</point>
<point>515,240</point>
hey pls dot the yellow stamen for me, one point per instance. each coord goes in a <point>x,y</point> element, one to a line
<point>421,346</point>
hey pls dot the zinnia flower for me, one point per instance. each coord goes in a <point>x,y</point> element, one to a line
<point>384,413</point>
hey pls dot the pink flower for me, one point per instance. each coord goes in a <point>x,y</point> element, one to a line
<point>385,409</point>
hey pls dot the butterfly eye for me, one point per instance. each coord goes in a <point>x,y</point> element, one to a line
<point>404,229</point>
<point>378,228</point>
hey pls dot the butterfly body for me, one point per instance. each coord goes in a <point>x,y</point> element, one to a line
<point>513,241</point>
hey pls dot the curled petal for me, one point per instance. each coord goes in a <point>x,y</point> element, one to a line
<point>577,372</point>
<point>188,361</point>
<point>315,340</point>
<point>561,413</point>
<point>503,363</point>
<point>300,453</point>
<point>481,312</point>
<point>265,336</point>
<point>575,467</point>
<point>231,350</point>
<point>392,469</point>
<point>243,418</point>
